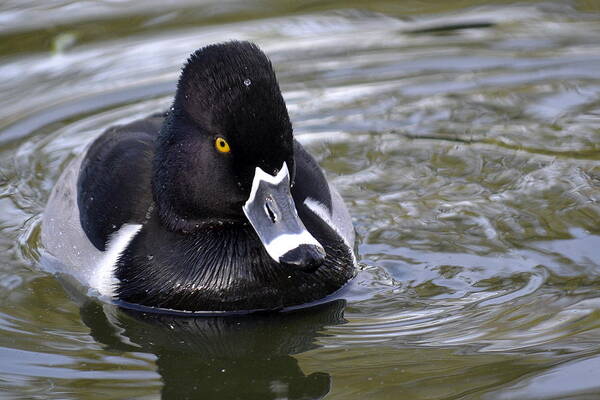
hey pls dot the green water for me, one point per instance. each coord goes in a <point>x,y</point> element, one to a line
<point>464,137</point>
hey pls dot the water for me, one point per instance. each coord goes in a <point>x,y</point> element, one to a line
<point>465,139</point>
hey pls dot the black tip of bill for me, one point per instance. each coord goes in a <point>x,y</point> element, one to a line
<point>306,257</point>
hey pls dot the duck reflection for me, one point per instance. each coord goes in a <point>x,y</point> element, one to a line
<point>225,357</point>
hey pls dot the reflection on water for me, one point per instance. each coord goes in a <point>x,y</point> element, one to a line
<point>246,357</point>
<point>464,138</point>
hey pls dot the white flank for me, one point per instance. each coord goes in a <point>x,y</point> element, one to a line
<point>321,211</point>
<point>103,279</point>
<point>289,241</point>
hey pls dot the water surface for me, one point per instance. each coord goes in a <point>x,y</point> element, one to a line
<point>465,139</point>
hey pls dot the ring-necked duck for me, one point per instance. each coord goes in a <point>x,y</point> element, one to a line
<point>211,206</point>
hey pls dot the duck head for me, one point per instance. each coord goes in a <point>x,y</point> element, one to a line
<point>225,153</point>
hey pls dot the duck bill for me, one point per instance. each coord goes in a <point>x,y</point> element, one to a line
<point>272,213</point>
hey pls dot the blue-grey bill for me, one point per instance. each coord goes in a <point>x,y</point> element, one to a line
<point>272,213</point>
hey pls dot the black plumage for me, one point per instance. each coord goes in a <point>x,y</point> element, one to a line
<point>196,250</point>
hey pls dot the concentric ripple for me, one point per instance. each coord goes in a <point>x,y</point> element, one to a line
<point>465,141</point>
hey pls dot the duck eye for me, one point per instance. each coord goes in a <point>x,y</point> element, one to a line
<point>222,145</point>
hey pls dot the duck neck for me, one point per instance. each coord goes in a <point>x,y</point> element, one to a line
<point>191,270</point>
<point>219,267</point>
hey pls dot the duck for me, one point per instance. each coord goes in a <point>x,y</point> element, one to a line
<point>210,206</point>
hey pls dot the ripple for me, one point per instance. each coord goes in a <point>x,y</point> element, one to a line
<point>464,142</point>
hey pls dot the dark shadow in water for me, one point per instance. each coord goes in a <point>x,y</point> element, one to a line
<point>451,28</point>
<point>227,357</point>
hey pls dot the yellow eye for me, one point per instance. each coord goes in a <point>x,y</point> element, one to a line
<point>222,145</point>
